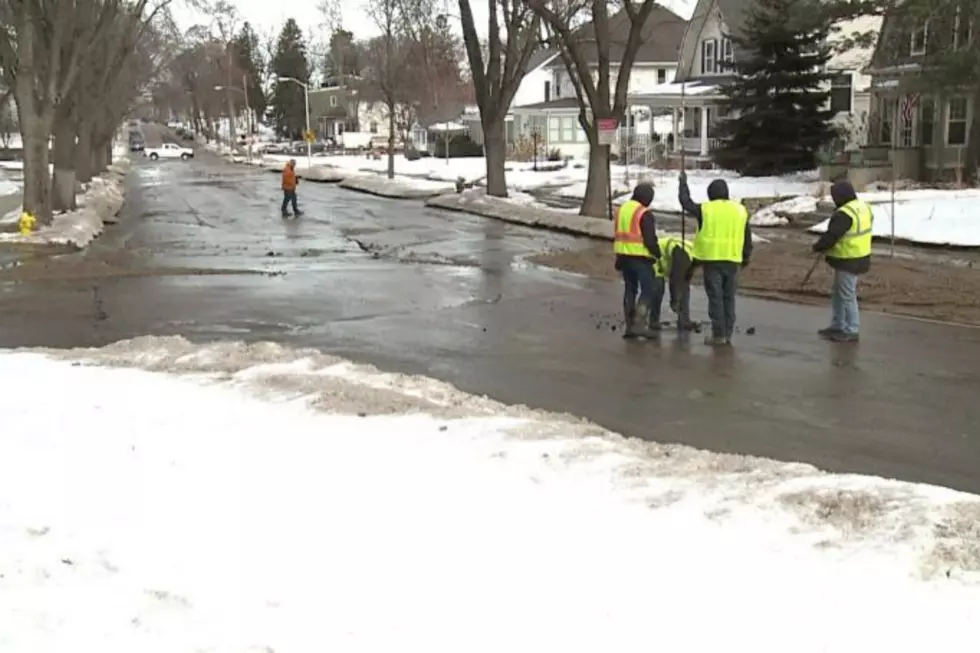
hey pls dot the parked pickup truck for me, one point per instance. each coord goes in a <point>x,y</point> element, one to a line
<point>169,151</point>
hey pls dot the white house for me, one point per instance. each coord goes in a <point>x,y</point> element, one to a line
<point>537,84</point>
<point>704,66</point>
<point>555,117</point>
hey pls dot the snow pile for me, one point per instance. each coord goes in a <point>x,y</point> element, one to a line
<point>397,188</point>
<point>98,205</point>
<point>522,209</point>
<point>269,499</point>
<point>928,216</point>
<point>8,187</point>
<point>775,215</point>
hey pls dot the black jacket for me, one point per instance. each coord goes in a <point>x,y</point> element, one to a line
<point>841,192</point>
<point>717,190</point>
<point>648,225</point>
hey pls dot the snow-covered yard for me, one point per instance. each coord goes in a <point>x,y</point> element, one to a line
<point>274,500</point>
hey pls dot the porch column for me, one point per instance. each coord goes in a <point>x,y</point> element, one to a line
<point>704,131</point>
<point>676,126</point>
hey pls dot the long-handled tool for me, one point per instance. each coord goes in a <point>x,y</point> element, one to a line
<point>806,279</point>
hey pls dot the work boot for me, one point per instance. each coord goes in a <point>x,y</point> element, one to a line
<point>639,327</point>
<point>841,336</point>
<point>829,332</point>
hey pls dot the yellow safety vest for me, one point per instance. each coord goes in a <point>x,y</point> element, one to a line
<point>629,238</point>
<point>666,260</point>
<point>722,232</point>
<point>856,243</point>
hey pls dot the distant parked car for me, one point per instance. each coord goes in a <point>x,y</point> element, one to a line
<point>170,151</point>
<point>136,144</point>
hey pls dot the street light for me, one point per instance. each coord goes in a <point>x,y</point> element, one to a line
<point>306,93</point>
<point>248,111</point>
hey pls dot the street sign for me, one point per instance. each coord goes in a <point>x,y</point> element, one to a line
<point>309,136</point>
<point>607,130</point>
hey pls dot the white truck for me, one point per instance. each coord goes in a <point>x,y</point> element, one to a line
<point>169,151</point>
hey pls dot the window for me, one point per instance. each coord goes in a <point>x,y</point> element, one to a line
<point>906,122</point>
<point>374,127</point>
<point>961,30</point>
<point>695,129</point>
<point>927,120</point>
<point>956,121</point>
<point>333,100</point>
<point>887,120</point>
<point>918,40</point>
<point>553,130</point>
<point>709,50</point>
<point>661,75</point>
<point>547,91</point>
<point>556,83</point>
<point>568,129</point>
<point>840,93</point>
<point>727,52</point>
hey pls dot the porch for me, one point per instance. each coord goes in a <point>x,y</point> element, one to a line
<point>920,135</point>
<point>693,112</point>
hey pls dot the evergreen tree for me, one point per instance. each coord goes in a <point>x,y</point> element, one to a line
<point>288,100</point>
<point>248,60</point>
<point>779,97</point>
<point>343,57</point>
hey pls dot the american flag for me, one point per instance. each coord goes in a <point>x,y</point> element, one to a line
<point>909,103</point>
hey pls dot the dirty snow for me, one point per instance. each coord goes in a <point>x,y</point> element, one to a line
<point>8,187</point>
<point>256,498</point>
<point>928,216</point>
<point>775,214</point>
<point>98,205</point>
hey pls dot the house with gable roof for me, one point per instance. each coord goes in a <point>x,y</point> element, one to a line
<point>918,128</point>
<point>707,52</point>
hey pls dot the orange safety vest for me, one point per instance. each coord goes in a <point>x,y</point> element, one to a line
<point>628,240</point>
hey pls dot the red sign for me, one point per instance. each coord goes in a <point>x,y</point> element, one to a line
<point>607,128</point>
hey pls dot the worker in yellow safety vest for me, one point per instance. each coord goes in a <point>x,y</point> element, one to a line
<point>674,268</point>
<point>722,246</point>
<point>846,246</point>
<point>637,250</point>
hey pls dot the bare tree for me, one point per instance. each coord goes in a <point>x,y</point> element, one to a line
<point>387,63</point>
<point>588,54</point>
<point>497,74</point>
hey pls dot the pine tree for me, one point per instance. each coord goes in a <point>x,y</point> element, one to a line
<point>343,57</point>
<point>288,100</point>
<point>779,97</point>
<point>248,60</point>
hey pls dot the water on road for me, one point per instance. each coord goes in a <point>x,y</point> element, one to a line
<point>449,295</point>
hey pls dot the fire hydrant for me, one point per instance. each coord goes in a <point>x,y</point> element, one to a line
<point>27,223</point>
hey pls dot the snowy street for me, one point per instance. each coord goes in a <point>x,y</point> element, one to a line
<point>246,499</point>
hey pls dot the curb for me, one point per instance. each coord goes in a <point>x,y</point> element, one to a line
<point>392,189</point>
<point>534,217</point>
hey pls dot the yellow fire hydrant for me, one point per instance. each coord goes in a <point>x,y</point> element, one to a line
<point>27,223</point>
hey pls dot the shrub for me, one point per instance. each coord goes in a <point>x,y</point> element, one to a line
<point>459,146</point>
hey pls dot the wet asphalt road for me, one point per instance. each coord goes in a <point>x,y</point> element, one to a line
<point>448,295</point>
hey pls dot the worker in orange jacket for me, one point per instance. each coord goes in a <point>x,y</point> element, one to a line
<point>289,184</point>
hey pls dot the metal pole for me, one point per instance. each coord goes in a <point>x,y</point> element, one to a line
<point>309,143</point>
<point>609,180</point>
<point>683,155</point>
<point>248,119</point>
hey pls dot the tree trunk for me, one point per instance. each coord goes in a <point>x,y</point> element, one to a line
<point>596,201</point>
<point>63,180</point>
<point>495,149</point>
<point>83,152</point>
<point>231,119</point>
<point>34,127</point>
<point>391,139</point>
<point>99,160</point>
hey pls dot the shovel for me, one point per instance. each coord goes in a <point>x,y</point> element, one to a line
<point>806,279</point>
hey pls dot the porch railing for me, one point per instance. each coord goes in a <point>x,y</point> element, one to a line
<point>693,144</point>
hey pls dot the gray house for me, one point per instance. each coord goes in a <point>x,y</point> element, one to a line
<point>925,128</point>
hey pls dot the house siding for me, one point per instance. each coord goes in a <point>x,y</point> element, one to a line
<point>532,87</point>
<point>644,76</point>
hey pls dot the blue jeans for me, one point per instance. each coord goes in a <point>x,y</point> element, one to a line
<point>640,284</point>
<point>289,197</point>
<point>844,303</point>
<point>720,285</point>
